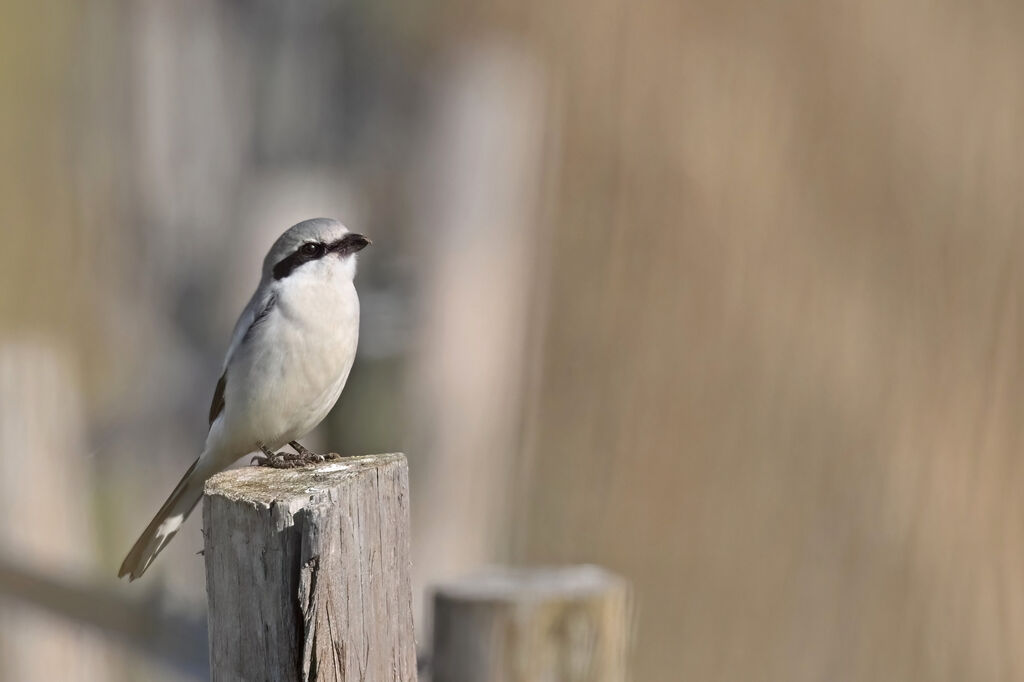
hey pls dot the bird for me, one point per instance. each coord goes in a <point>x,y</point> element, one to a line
<point>290,355</point>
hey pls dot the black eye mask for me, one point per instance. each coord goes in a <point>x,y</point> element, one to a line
<point>311,251</point>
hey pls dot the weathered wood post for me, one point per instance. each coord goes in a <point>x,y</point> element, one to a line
<point>307,572</point>
<point>568,624</point>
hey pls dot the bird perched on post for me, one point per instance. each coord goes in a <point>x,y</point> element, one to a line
<point>290,355</point>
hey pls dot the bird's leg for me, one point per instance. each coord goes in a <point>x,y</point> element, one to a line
<point>303,450</point>
<point>307,456</point>
<point>269,458</point>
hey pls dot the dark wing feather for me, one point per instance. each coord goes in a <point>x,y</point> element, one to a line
<point>217,406</point>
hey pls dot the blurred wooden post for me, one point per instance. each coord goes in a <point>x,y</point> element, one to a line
<point>481,242</point>
<point>569,624</point>
<point>307,572</point>
<point>45,494</point>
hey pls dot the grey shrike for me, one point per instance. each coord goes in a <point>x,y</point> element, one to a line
<point>290,354</point>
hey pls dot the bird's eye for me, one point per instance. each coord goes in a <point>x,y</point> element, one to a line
<point>311,249</point>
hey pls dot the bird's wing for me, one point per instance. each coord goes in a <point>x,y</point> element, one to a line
<point>259,306</point>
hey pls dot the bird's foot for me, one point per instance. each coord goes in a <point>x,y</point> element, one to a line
<point>274,460</point>
<point>307,456</point>
<point>289,460</point>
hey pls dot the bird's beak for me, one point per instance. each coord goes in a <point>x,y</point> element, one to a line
<point>351,243</point>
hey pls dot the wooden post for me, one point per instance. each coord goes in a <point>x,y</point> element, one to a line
<point>307,572</point>
<point>569,624</point>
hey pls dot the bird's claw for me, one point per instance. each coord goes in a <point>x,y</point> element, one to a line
<point>288,460</point>
<point>274,460</point>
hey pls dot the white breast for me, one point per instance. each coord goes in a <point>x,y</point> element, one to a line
<point>283,382</point>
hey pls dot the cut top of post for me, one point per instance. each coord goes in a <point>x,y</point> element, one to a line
<point>518,584</point>
<point>266,485</point>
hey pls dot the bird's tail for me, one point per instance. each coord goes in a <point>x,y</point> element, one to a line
<point>166,522</point>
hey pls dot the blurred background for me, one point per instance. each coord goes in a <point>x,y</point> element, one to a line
<point>723,296</point>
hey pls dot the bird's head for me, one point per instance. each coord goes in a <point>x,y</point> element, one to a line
<point>320,248</point>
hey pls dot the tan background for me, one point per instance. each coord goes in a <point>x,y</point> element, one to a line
<point>771,367</point>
